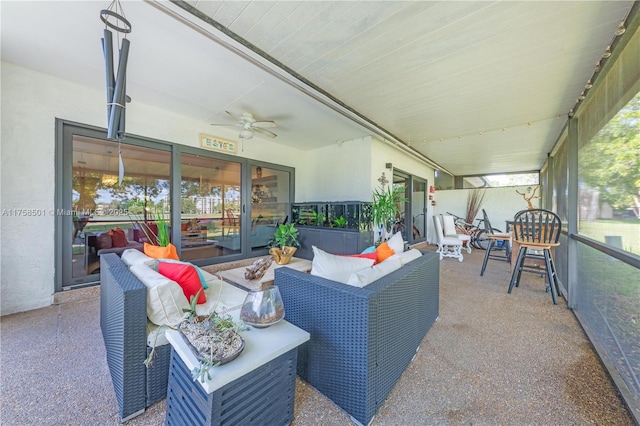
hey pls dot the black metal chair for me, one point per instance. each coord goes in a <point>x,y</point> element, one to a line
<point>536,229</point>
<point>497,242</point>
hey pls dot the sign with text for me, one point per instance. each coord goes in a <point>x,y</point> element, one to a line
<point>218,144</point>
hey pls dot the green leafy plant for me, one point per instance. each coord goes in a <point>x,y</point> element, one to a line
<point>285,235</point>
<point>161,237</point>
<point>385,204</point>
<point>340,222</point>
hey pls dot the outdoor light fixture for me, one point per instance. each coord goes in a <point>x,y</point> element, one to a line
<point>621,29</point>
<point>246,134</point>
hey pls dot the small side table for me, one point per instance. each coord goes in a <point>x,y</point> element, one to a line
<point>257,388</point>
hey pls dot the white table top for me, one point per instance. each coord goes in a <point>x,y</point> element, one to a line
<point>261,346</point>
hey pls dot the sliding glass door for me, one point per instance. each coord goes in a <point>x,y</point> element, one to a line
<point>98,204</point>
<point>411,212</point>
<point>418,209</point>
<point>270,203</point>
<point>211,207</point>
<point>109,195</point>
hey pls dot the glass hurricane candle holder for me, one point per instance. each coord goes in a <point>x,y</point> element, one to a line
<point>262,308</point>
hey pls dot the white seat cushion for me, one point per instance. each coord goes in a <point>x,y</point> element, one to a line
<point>407,256</point>
<point>368,275</point>
<point>451,241</point>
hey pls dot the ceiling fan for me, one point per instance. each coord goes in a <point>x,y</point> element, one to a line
<point>250,125</point>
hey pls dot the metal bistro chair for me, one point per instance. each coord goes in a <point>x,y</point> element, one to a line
<point>498,241</point>
<point>537,229</point>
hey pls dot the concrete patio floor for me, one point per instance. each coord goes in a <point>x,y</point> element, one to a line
<point>491,359</point>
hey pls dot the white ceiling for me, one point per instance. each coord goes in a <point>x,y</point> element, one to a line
<point>478,87</point>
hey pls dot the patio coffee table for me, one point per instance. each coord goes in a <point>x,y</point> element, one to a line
<point>236,276</point>
<point>256,388</point>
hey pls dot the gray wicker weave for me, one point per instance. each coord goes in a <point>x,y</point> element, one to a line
<point>123,320</point>
<point>263,397</point>
<point>362,339</point>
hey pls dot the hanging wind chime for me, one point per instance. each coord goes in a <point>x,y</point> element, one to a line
<point>116,83</point>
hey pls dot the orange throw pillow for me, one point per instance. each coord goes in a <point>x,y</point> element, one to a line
<point>157,252</point>
<point>383,251</point>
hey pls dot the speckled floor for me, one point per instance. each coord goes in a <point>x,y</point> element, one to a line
<point>491,359</point>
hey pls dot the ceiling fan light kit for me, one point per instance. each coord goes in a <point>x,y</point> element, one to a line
<point>250,125</point>
<point>245,134</point>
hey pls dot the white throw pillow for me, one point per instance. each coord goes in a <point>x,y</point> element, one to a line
<point>336,268</point>
<point>368,275</point>
<point>166,302</point>
<point>396,242</point>
<point>407,256</point>
<point>132,257</point>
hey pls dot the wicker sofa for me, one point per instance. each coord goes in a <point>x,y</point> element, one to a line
<point>129,337</point>
<point>362,339</point>
<point>123,320</point>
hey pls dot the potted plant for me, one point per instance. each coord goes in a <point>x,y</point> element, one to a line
<point>339,222</point>
<point>385,206</point>
<point>213,338</point>
<point>156,232</point>
<point>284,243</point>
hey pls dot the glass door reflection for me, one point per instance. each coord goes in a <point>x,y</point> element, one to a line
<point>210,224</point>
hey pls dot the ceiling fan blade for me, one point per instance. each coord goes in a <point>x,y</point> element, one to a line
<point>264,124</point>
<point>265,132</point>
<point>232,115</point>
<point>226,124</point>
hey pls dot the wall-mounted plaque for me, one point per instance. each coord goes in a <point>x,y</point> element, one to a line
<point>215,143</point>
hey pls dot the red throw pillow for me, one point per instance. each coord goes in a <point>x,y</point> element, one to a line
<point>186,276</point>
<point>118,238</point>
<point>373,255</point>
<point>383,251</point>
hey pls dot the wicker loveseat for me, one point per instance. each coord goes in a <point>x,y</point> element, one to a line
<point>123,320</point>
<point>129,336</point>
<point>362,339</point>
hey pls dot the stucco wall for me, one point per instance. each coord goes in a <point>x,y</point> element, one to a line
<point>501,204</point>
<point>339,172</point>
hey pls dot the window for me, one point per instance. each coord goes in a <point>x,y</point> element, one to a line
<point>609,181</point>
